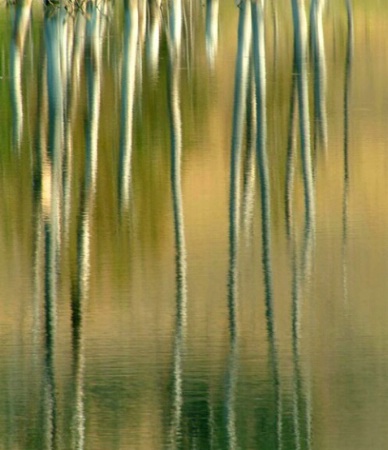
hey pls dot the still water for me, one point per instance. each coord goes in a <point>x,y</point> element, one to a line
<point>194,225</point>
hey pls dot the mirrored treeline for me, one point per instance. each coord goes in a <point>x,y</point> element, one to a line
<point>155,153</point>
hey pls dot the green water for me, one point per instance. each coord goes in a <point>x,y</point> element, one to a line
<point>194,225</point>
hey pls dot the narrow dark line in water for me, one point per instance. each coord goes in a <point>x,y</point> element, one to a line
<point>347,91</point>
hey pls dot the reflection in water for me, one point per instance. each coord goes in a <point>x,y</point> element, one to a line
<point>80,291</point>
<point>153,37</point>
<point>345,199</point>
<point>275,24</point>
<point>40,251</point>
<point>291,156</point>
<point>300,48</point>
<point>212,7</point>
<point>76,49</point>
<point>142,9</point>
<point>93,78</point>
<point>297,278</point>
<point>263,170</point>
<point>297,381</point>
<point>54,36</point>
<point>222,393</point>
<point>51,204</point>
<point>175,119</point>
<point>301,270</point>
<point>239,114</point>
<point>291,237</point>
<point>40,195</point>
<point>50,402</point>
<point>319,68</point>
<point>249,176</point>
<point>127,98</point>
<point>301,261</point>
<point>141,27</point>
<point>20,28</point>
<point>175,24</point>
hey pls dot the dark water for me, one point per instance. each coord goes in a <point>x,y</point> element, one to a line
<point>193,225</point>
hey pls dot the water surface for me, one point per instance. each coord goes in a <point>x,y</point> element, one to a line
<point>194,225</point>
